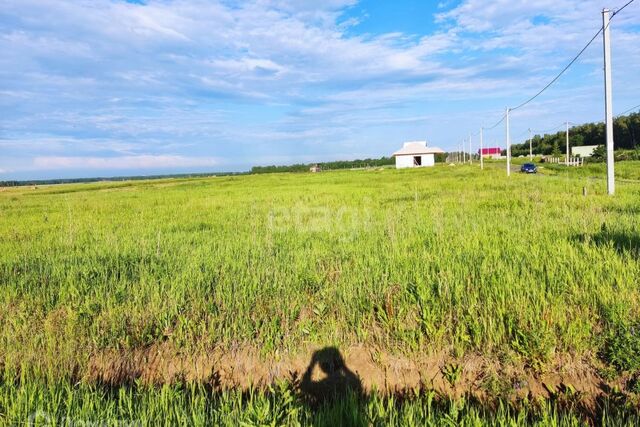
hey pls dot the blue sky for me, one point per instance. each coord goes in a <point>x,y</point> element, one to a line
<point>110,87</point>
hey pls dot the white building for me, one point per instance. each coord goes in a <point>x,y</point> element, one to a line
<point>583,150</point>
<point>416,154</point>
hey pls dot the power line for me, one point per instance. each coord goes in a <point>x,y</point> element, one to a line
<point>500,121</point>
<point>542,132</point>
<point>537,132</point>
<point>626,111</point>
<point>575,58</point>
<point>548,130</point>
<point>520,134</point>
<point>620,10</point>
<point>598,121</point>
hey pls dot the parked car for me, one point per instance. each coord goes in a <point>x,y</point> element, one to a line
<point>529,168</point>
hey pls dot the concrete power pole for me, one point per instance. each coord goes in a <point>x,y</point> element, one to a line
<point>481,156</point>
<point>464,157</point>
<point>508,142</point>
<point>470,152</point>
<point>567,141</point>
<point>530,147</point>
<point>608,103</point>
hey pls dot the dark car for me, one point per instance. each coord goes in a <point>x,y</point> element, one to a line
<point>529,168</point>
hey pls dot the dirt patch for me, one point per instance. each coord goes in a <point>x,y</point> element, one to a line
<point>386,373</point>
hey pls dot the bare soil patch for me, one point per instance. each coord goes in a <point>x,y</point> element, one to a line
<point>378,371</point>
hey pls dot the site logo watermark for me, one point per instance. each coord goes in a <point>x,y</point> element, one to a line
<point>43,418</point>
<point>316,219</point>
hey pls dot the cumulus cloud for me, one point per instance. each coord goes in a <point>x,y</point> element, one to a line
<point>122,163</point>
<point>221,79</point>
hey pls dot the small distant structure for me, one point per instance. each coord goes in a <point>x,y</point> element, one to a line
<point>583,150</point>
<point>315,168</point>
<point>491,152</point>
<point>416,154</point>
<point>571,161</point>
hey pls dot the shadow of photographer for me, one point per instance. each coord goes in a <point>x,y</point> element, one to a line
<point>333,380</point>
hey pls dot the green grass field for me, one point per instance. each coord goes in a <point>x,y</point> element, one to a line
<point>448,280</point>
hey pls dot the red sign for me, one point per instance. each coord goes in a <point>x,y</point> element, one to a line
<point>491,151</point>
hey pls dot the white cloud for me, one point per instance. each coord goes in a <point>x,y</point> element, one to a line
<point>122,163</point>
<point>114,80</point>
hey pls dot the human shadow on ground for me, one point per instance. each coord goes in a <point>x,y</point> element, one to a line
<point>337,380</point>
<point>332,391</point>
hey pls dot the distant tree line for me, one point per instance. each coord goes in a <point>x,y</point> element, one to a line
<point>339,164</point>
<point>626,134</point>
<point>441,157</point>
<point>298,167</point>
<point>17,183</point>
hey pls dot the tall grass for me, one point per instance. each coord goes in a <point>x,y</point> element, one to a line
<point>449,259</point>
<point>40,404</point>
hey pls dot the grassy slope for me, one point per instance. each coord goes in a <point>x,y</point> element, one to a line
<point>443,259</point>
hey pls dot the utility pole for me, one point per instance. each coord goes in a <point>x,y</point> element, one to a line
<point>464,158</point>
<point>608,103</point>
<point>567,162</point>
<point>470,152</point>
<point>508,145</point>
<point>481,156</point>
<point>530,147</point>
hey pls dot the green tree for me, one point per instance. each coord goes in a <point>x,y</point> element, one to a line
<point>599,154</point>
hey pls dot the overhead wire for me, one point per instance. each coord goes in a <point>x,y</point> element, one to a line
<point>616,11</point>
<point>499,121</point>
<point>626,111</point>
<point>575,58</point>
<point>548,130</point>
<point>520,134</point>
